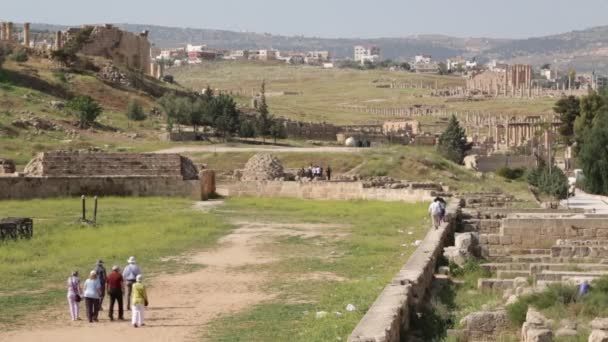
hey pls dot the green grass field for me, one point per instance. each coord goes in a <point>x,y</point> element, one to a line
<point>365,260</point>
<point>322,91</point>
<point>34,271</point>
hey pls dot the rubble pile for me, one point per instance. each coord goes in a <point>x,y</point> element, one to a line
<point>112,74</point>
<point>263,167</point>
<point>29,119</point>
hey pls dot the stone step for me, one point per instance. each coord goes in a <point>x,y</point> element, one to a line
<point>568,275</point>
<point>494,284</point>
<point>507,266</point>
<point>512,274</point>
<point>567,267</point>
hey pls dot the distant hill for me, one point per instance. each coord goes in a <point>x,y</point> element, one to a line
<point>584,50</point>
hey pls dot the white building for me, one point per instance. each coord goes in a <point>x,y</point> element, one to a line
<point>195,48</point>
<point>423,59</point>
<point>367,53</point>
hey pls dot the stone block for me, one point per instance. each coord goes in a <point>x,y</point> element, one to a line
<point>599,324</point>
<point>493,239</point>
<point>598,336</point>
<point>505,240</point>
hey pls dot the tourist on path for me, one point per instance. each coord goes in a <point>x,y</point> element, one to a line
<point>74,295</point>
<point>115,285</point>
<point>442,205</point>
<point>102,275</point>
<point>328,172</point>
<point>435,212</point>
<point>92,293</point>
<point>130,274</point>
<point>139,302</point>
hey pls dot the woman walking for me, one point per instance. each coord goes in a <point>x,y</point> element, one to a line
<point>138,302</point>
<point>92,293</point>
<point>74,295</point>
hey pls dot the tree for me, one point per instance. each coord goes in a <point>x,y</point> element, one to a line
<point>406,66</point>
<point>277,131</point>
<point>453,142</point>
<point>227,120</point>
<point>549,180</point>
<point>545,66</point>
<point>247,129</point>
<point>86,109</point>
<point>590,106</point>
<point>443,69</point>
<point>568,108</point>
<point>177,110</point>
<point>264,119</point>
<point>593,156</point>
<point>135,111</point>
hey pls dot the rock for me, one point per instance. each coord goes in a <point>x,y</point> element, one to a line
<point>443,270</point>
<point>520,282</point>
<point>538,335</point>
<point>7,166</point>
<point>512,300</point>
<point>599,324</point>
<point>486,323</point>
<point>455,255</point>
<point>417,242</point>
<point>535,318</point>
<point>320,314</point>
<point>564,332</point>
<point>351,308</point>
<point>598,336</point>
<point>464,240</point>
<point>57,104</point>
<point>568,324</point>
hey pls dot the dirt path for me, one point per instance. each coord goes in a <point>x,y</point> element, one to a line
<point>182,304</point>
<point>224,148</point>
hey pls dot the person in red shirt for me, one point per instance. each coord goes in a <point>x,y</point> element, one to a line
<point>115,286</point>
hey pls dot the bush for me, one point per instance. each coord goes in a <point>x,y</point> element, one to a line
<point>553,296</point>
<point>86,109</point>
<point>135,112</point>
<point>512,174</point>
<point>20,56</point>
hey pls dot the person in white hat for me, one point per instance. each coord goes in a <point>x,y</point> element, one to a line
<point>139,302</point>
<point>92,293</point>
<point>130,273</point>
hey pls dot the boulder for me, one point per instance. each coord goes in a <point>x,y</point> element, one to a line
<point>455,255</point>
<point>564,332</point>
<point>599,324</point>
<point>598,336</point>
<point>538,335</point>
<point>535,328</point>
<point>486,323</point>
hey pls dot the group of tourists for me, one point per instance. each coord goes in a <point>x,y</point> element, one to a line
<point>115,285</point>
<point>437,211</point>
<point>315,172</point>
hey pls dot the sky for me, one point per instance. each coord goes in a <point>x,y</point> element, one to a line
<point>328,18</point>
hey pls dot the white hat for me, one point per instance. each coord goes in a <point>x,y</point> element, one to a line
<point>115,268</point>
<point>131,260</point>
<point>139,278</point>
<point>93,272</point>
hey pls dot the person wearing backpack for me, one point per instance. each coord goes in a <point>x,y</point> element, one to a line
<point>130,274</point>
<point>435,212</point>
<point>74,296</point>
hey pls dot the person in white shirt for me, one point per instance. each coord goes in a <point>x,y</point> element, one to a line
<point>435,212</point>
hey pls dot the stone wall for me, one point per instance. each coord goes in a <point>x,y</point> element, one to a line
<point>76,164</point>
<point>323,191</point>
<point>388,319</point>
<point>49,187</point>
<point>495,162</point>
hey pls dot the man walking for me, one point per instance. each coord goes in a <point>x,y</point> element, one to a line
<point>115,285</point>
<point>101,276</point>
<point>435,212</point>
<point>130,274</point>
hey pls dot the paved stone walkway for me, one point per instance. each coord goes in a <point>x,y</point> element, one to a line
<point>586,201</point>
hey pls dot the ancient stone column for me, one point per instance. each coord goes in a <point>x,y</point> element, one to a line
<point>207,178</point>
<point>58,42</point>
<point>9,31</point>
<point>26,34</point>
<point>2,30</point>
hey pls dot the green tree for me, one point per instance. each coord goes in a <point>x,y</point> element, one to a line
<point>568,108</point>
<point>135,111</point>
<point>247,129</point>
<point>277,131</point>
<point>227,120</point>
<point>453,142</point>
<point>443,68</point>
<point>549,180</point>
<point>177,110</point>
<point>590,106</point>
<point>593,156</point>
<point>406,66</point>
<point>264,119</point>
<point>86,109</point>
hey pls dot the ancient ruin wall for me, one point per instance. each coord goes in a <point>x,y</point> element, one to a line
<point>388,319</point>
<point>77,164</point>
<point>342,191</point>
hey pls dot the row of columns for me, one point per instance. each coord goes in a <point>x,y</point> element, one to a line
<point>7,31</point>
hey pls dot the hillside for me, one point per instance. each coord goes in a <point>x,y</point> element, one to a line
<point>584,50</point>
<point>33,95</point>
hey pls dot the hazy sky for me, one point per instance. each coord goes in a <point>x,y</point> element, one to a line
<point>328,18</point>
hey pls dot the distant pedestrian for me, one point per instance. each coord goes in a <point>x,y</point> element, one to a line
<point>328,172</point>
<point>74,296</point>
<point>130,274</point>
<point>442,205</point>
<point>435,212</point>
<point>101,276</point>
<point>115,285</point>
<point>583,289</point>
<point>139,302</point>
<point>92,293</point>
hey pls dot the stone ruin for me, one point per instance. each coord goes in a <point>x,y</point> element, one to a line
<point>98,164</point>
<point>16,228</point>
<point>262,167</point>
<point>7,166</point>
